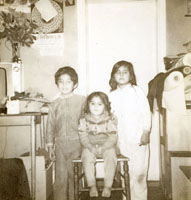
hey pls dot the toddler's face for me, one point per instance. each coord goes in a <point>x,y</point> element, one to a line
<point>96,106</point>
<point>122,76</point>
<point>65,84</point>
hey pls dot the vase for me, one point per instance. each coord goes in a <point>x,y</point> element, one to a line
<point>16,52</point>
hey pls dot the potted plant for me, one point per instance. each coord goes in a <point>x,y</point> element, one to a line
<point>16,28</point>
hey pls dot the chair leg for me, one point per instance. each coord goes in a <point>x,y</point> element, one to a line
<point>76,186</point>
<point>127,180</point>
<point>80,187</point>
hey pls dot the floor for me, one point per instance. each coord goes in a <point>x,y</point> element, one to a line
<point>154,193</point>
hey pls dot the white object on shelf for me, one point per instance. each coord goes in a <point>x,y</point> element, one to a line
<point>14,76</point>
<point>13,107</point>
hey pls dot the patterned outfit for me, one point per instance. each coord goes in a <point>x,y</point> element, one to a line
<point>131,107</point>
<point>101,133</point>
<point>62,131</point>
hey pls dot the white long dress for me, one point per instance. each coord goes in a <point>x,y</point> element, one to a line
<point>131,107</point>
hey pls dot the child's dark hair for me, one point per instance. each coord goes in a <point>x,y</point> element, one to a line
<point>112,81</point>
<point>104,98</point>
<point>66,70</point>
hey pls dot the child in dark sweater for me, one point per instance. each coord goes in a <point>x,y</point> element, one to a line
<point>62,131</point>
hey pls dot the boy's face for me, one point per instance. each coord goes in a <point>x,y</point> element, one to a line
<point>65,84</point>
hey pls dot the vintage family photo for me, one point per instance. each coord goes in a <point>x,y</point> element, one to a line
<point>95,99</point>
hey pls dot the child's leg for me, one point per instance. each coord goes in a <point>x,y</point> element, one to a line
<point>110,164</point>
<point>70,150</point>
<point>138,167</point>
<point>88,160</point>
<point>60,186</point>
<point>73,155</point>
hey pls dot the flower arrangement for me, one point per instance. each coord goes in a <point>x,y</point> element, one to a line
<point>17,28</point>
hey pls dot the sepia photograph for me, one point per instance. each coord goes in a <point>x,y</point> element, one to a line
<point>95,99</point>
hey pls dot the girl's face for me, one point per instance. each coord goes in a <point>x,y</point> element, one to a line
<point>65,84</point>
<point>96,106</point>
<point>122,76</point>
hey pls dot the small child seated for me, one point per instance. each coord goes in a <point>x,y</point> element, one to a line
<point>98,136</point>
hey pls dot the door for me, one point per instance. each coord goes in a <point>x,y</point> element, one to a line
<point>123,30</point>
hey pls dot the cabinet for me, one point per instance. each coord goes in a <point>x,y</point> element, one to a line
<point>175,154</point>
<point>32,120</point>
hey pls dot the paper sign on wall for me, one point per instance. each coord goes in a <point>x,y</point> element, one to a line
<point>50,44</point>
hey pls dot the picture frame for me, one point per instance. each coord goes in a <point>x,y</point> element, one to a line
<point>55,25</point>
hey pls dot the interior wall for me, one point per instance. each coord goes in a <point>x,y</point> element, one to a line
<point>39,67</point>
<point>39,70</point>
<point>117,31</point>
<point>178,26</point>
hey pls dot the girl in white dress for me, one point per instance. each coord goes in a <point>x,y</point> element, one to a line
<point>131,107</point>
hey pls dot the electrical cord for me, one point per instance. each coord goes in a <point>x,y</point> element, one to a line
<point>5,141</point>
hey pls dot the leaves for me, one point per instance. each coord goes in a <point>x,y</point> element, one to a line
<point>16,27</point>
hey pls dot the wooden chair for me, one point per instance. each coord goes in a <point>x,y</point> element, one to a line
<point>121,183</point>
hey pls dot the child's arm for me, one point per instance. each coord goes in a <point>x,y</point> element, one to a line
<point>145,138</point>
<point>112,135</point>
<point>83,107</point>
<point>50,128</point>
<point>51,153</point>
<point>145,116</point>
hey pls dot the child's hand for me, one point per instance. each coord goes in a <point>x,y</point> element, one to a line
<point>99,150</point>
<point>51,153</point>
<point>145,138</point>
<point>93,149</point>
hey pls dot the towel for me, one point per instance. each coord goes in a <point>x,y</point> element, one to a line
<point>173,94</point>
